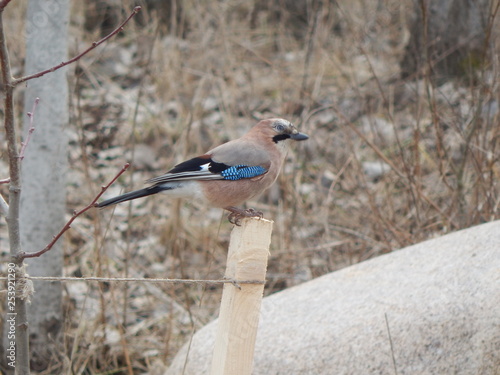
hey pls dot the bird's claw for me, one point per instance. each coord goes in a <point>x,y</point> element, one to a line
<point>250,212</point>
<point>236,216</point>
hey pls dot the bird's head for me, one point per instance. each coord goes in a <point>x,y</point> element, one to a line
<point>280,130</point>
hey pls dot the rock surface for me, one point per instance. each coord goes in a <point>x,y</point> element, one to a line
<point>440,301</point>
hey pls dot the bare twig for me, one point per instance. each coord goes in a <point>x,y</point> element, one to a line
<point>4,207</point>
<point>31,115</point>
<point>311,38</point>
<point>24,255</point>
<point>22,340</point>
<point>5,181</point>
<point>17,81</point>
<point>392,347</point>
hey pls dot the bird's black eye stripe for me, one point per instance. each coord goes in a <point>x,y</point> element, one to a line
<point>280,137</point>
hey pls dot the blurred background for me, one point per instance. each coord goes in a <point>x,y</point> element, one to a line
<point>402,110</point>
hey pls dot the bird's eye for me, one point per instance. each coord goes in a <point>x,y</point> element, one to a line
<point>280,128</point>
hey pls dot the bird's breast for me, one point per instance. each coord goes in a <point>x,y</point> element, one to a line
<point>223,193</point>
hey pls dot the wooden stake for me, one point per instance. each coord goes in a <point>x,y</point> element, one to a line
<point>240,306</point>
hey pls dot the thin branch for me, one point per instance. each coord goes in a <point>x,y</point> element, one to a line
<point>24,255</point>
<point>17,81</point>
<point>4,207</point>
<point>311,38</point>
<point>392,347</point>
<point>31,115</point>
<point>5,181</point>
<point>22,339</point>
<point>14,179</point>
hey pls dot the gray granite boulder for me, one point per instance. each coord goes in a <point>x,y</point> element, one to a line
<point>439,300</point>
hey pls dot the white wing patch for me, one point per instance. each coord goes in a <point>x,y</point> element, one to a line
<point>204,167</point>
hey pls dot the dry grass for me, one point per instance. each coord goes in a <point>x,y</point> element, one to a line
<point>337,78</point>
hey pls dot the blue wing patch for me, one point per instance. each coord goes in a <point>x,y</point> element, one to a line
<point>238,172</point>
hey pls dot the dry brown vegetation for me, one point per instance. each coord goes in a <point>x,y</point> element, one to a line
<point>389,162</point>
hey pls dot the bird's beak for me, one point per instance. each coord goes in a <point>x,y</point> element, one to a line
<point>298,136</point>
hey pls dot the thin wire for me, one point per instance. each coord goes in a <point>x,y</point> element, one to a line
<point>130,279</point>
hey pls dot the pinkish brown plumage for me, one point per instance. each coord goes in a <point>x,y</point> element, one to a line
<point>229,174</point>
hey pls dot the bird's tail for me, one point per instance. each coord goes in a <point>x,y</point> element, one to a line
<point>132,195</point>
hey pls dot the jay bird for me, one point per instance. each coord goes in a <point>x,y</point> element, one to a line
<point>229,174</point>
